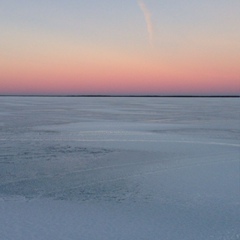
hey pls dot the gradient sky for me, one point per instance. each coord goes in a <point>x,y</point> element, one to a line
<point>119,47</point>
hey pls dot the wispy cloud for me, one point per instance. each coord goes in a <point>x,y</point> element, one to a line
<point>148,19</point>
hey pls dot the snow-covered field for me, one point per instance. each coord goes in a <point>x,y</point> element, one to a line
<point>119,168</point>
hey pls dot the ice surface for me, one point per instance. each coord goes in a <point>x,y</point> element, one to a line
<point>119,168</point>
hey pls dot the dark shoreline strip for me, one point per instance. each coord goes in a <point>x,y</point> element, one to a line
<point>126,96</point>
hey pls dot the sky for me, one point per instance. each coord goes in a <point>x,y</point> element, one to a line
<point>120,47</point>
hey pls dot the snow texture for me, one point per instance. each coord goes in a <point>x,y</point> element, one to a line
<point>119,168</point>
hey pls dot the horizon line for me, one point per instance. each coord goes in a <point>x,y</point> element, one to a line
<point>123,95</point>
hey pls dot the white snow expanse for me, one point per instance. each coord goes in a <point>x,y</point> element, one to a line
<point>119,168</point>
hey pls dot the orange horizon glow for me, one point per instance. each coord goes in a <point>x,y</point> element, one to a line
<point>116,76</point>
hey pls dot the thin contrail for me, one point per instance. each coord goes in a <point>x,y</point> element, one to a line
<point>147,16</point>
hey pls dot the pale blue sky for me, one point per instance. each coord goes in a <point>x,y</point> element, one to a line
<point>185,33</point>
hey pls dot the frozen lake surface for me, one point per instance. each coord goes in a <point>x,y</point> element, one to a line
<point>119,168</point>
